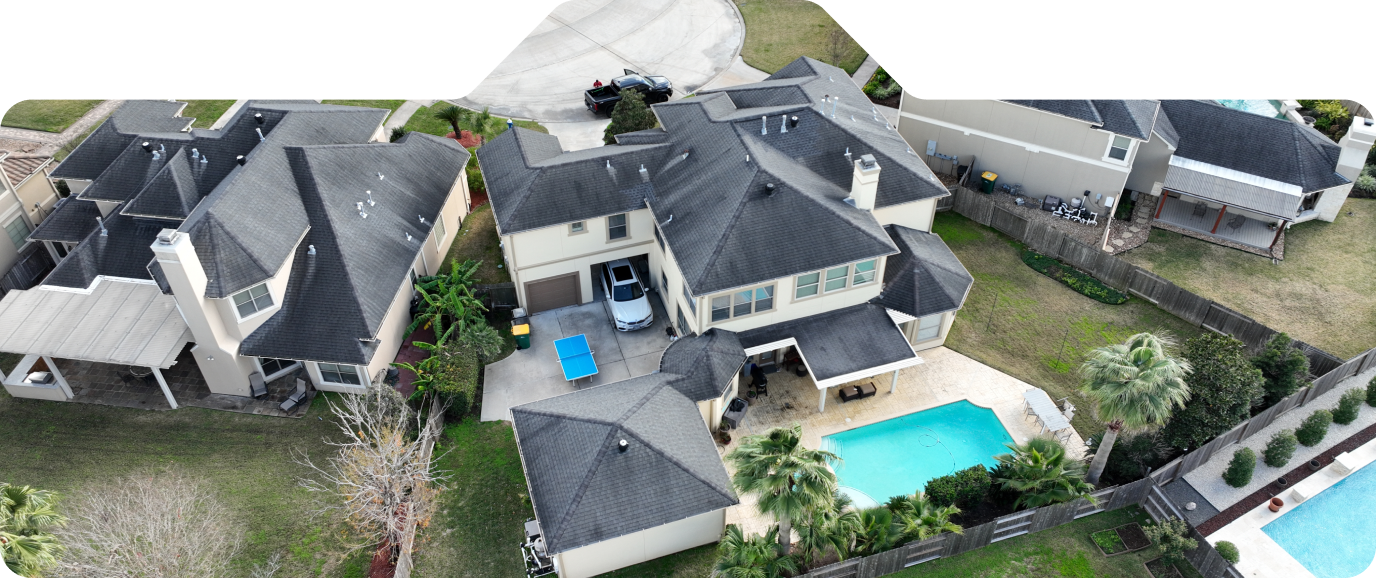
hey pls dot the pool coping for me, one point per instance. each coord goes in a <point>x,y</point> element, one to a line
<point>1262,556</point>
<point>848,425</point>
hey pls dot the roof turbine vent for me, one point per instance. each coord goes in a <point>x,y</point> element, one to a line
<point>793,122</point>
<point>622,446</point>
<point>241,160</point>
<point>769,189</point>
<point>258,117</point>
<point>147,146</point>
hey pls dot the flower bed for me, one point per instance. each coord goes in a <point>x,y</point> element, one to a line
<point>1120,540</point>
<point>1162,569</point>
<point>1072,278</point>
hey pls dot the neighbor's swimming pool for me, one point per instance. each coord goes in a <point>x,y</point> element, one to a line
<point>1259,106</point>
<point>898,456</point>
<point>1333,534</point>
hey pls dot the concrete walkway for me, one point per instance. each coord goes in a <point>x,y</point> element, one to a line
<point>403,113</point>
<point>53,141</point>
<point>576,136</point>
<point>862,75</point>
<point>229,114</point>
<point>689,41</point>
<point>738,73</point>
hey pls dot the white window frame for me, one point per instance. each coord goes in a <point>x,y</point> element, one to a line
<point>625,226</point>
<point>272,303</point>
<point>439,231</point>
<point>578,228</point>
<point>928,323</point>
<point>816,286</point>
<point>285,369</point>
<point>827,278</point>
<point>320,367</point>
<point>692,303</point>
<point>748,297</point>
<point>855,272</point>
<point>18,218</point>
<point>1127,152</point>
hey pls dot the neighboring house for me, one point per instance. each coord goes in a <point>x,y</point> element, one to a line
<point>777,219</point>
<point>288,238</point>
<point>1230,174</point>
<point>26,198</point>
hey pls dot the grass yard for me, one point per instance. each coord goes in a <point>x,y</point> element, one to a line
<point>424,121</point>
<point>1063,551</point>
<point>777,32</point>
<point>47,115</point>
<point>694,563</point>
<point>248,458</point>
<point>1324,292</point>
<point>391,105</point>
<point>206,112</point>
<point>478,240</point>
<point>483,510</point>
<point>1040,330</point>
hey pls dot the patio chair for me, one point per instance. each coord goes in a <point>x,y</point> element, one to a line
<point>256,387</point>
<point>297,398</point>
<point>1237,222</point>
<point>1199,210</point>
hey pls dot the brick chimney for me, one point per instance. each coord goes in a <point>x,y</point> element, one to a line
<point>865,184</point>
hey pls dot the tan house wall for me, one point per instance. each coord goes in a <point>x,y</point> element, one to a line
<point>787,308</point>
<point>638,547</point>
<point>554,251</point>
<point>38,189</point>
<point>9,207</point>
<point>916,215</point>
<point>1149,168</point>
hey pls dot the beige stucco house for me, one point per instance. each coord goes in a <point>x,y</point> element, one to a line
<point>26,198</point>
<point>1223,173</point>
<point>286,241</point>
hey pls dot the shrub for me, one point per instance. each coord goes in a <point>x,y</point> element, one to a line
<point>1315,426</point>
<point>963,488</point>
<point>397,133</point>
<point>1279,450</point>
<point>456,377</point>
<point>1371,392</point>
<point>1283,367</point>
<point>629,115</point>
<point>1239,472</point>
<point>1365,184</point>
<point>62,188</point>
<point>1072,278</point>
<point>1228,551</point>
<point>1223,387</point>
<point>1172,535</point>
<point>1348,406</point>
<point>1132,455</point>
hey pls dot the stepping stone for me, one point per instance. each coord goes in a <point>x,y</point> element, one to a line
<point>1118,242</point>
<point>1142,221</point>
<point>1134,228</point>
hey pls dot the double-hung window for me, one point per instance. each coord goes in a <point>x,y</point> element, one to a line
<point>807,285</point>
<point>1119,148</point>
<point>273,367</point>
<point>18,231</point>
<point>252,300</point>
<point>836,278</point>
<point>439,232</point>
<point>660,239</point>
<point>339,373</point>
<point>692,303</point>
<point>928,327</point>
<point>742,303</point>
<point>616,227</point>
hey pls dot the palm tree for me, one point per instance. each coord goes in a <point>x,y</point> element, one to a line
<point>1042,474</point>
<point>1133,386</point>
<point>831,528</point>
<point>789,480</point>
<point>879,532</point>
<point>920,519</point>
<point>452,115</point>
<point>26,516</point>
<point>754,557</point>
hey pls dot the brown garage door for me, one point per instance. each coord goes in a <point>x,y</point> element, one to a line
<point>552,293</point>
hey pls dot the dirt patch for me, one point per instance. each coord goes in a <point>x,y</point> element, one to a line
<point>1133,537</point>
<point>1162,569</point>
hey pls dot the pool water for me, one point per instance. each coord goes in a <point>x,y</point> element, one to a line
<point>1333,534</point>
<point>1262,107</point>
<point>898,456</point>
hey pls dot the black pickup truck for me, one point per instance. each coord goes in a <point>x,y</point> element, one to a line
<point>603,99</point>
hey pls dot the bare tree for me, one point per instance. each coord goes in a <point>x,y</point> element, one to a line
<point>269,568</point>
<point>148,526</point>
<point>380,474</point>
<point>839,46</point>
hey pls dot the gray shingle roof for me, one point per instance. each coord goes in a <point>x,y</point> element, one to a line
<point>1274,148</point>
<point>1165,129</point>
<point>71,221</point>
<point>124,252</point>
<point>839,342</point>
<point>925,278</point>
<point>705,365</point>
<point>1130,118</point>
<point>724,230</point>
<point>360,263</point>
<point>133,118</point>
<point>585,490</point>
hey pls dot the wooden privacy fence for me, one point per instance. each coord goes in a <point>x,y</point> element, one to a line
<point>498,294</point>
<point>34,262</point>
<point>1204,558</point>
<point>1016,524</point>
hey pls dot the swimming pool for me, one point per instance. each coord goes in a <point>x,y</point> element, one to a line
<point>1259,106</point>
<point>1333,534</point>
<point>898,456</point>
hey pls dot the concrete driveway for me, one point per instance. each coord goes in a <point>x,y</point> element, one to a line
<point>689,41</point>
<point>534,374</point>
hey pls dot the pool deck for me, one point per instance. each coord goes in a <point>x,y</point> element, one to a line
<point>1263,557</point>
<point>945,377</point>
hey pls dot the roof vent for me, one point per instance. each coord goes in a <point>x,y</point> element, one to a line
<point>622,446</point>
<point>379,176</point>
<point>747,158</point>
<point>834,100</point>
<point>203,159</point>
<point>241,160</point>
<point>685,154</point>
<point>422,219</point>
<point>408,237</point>
<point>310,249</point>
<point>769,189</point>
<point>868,162</point>
<point>848,154</point>
<point>361,213</point>
<point>161,148</point>
<point>783,123</point>
<point>195,154</point>
<point>261,138</point>
<point>157,155</point>
<point>258,117</point>
<point>103,231</point>
<point>764,125</point>
<point>793,122</point>
<point>644,174</point>
<point>370,198</point>
<point>1367,122</point>
<point>147,146</point>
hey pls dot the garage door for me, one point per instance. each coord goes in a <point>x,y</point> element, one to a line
<point>552,293</point>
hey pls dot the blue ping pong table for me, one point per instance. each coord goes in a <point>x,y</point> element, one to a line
<point>575,357</point>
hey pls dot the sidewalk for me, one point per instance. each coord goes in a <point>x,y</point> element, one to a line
<point>404,113</point>
<point>53,141</point>
<point>862,75</point>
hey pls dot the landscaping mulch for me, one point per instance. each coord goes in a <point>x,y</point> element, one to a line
<point>1162,569</point>
<point>891,102</point>
<point>1294,476</point>
<point>1133,537</point>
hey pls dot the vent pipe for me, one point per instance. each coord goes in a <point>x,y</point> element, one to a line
<point>195,154</point>
<point>241,160</point>
<point>361,213</point>
<point>764,125</point>
<point>408,237</point>
<point>379,176</point>
<point>644,174</point>
<point>156,155</point>
<point>103,231</point>
<point>310,249</point>
<point>258,117</point>
<point>370,198</point>
<point>847,154</point>
<point>147,146</point>
<point>261,138</point>
<point>422,219</point>
<point>203,159</point>
<point>783,123</point>
<point>622,446</point>
<point>793,122</point>
<point>834,100</point>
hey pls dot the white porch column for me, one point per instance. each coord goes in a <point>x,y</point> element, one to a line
<point>165,390</point>
<point>894,386</point>
<point>822,400</point>
<point>57,377</point>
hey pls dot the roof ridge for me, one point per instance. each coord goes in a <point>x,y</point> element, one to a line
<point>328,238</point>
<point>730,225</point>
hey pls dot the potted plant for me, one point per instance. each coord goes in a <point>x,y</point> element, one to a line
<point>1282,483</point>
<point>1314,465</point>
<point>1276,504</point>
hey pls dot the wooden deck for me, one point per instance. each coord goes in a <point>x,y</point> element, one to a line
<point>1180,212</point>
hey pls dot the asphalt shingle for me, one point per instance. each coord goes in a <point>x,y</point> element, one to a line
<point>71,221</point>
<point>839,342</point>
<point>705,365</point>
<point>925,277</point>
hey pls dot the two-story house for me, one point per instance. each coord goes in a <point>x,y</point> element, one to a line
<point>289,239</point>
<point>780,218</point>
<point>1228,174</point>
<point>26,198</point>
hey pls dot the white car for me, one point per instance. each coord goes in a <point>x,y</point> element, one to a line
<point>630,306</point>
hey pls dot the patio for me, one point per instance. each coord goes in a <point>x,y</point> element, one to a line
<point>945,377</point>
<point>1254,235</point>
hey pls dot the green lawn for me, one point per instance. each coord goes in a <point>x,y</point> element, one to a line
<point>1040,330</point>
<point>424,121</point>
<point>777,32</point>
<point>478,240</point>
<point>391,105</point>
<point>248,458</point>
<point>1063,551</point>
<point>694,563</point>
<point>1324,292</point>
<point>206,112</point>
<point>72,144</point>
<point>47,115</point>
<point>483,508</point>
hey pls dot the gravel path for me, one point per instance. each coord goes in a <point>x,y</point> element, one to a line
<point>1208,478</point>
<point>52,141</point>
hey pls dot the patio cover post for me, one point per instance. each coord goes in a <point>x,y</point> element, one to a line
<point>894,386</point>
<point>822,400</point>
<point>57,377</point>
<point>165,391</point>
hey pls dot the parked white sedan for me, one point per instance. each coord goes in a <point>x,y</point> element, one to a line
<point>626,294</point>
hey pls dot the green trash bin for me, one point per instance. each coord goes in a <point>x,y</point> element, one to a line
<point>987,181</point>
<point>520,329</point>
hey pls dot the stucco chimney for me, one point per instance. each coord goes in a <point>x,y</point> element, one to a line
<point>215,349</point>
<point>865,185</point>
<point>1356,143</point>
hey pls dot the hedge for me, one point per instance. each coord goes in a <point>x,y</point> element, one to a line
<point>457,377</point>
<point>963,488</point>
<point>1073,278</point>
<point>1239,472</point>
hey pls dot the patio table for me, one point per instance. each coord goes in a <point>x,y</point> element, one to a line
<point>1046,411</point>
<point>575,357</point>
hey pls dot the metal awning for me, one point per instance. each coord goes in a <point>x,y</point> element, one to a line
<point>117,322</point>
<point>1233,188</point>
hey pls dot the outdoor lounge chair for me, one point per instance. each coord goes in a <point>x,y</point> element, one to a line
<point>854,392</point>
<point>297,398</point>
<point>1237,222</point>
<point>257,388</point>
<point>1199,210</point>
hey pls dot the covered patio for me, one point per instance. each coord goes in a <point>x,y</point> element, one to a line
<point>1195,214</point>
